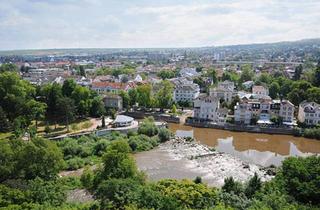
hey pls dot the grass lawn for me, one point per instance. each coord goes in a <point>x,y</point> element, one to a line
<point>5,135</point>
<point>59,129</point>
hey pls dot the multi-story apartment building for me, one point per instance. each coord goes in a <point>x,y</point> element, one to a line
<point>309,113</point>
<point>284,109</point>
<point>243,113</point>
<point>224,90</point>
<point>208,108</point>
<point>110,87</point>
<point>113,101</point>
<point>260,90</point>
<point>186,92</point>
<point>263,110</point>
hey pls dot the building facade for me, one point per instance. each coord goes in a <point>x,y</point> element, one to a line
<point>260,90</point>
<point>224,91</point>
<point>186,92</point>
<point>113,102</point>
<point>263,110</point>
<point>207,108</point>
<point>309,113</point>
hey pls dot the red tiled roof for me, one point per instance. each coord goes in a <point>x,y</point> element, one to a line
<point>115,85</point>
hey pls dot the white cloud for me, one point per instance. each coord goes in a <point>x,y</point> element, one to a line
<point>99,23</point>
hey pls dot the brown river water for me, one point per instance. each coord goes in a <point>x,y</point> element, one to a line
<point>261,149</point>
<point>252,148</point>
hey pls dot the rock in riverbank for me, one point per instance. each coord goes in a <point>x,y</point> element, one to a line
<point>216,165</point>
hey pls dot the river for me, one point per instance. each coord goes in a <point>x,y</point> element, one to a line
<point>261,149</point>
<point>252,148</point>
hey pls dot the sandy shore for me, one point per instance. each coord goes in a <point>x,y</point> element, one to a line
<point>215,165</point>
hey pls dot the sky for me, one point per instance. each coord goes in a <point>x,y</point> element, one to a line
<point>43,24</point>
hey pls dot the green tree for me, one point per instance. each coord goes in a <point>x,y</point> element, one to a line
<point>144,95</point>
<point>298,91</point>
<point>212,73</point>
<point>103,121</point>
<point>82,71</point>
<point>301,178</point>
<point>297,72</point>
<point>148,127</point>
<point>164,134</point>
<point>316,78</point>
<point>116,193</point>
<point>164,96</point>
<point>97,107</point>
<point>7,157</point>
<point>36,110</point>
<point>313,94</point>
<point>51,94</point>
<point>118,163</point>
<point>39,158</point>
<point>230,185</point>
<point>188,194</point>
<point>66,110</point>
<point>174,109</point>
<point>14,94</point>
<point>47,192</point>
<point>274,90</point>
<point>4,121</point>
<point>8,67</point>
<point>253,186</point>
<point>247,73</point>
<point>68,87</point>
<point>87,178</point>
<point>265,78</point>
<point>125,98</point>
<point>133,95</point>
<point>166,74</point>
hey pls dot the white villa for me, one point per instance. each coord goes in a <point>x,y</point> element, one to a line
<point>309,113</point>
<point>264,109</point>
<point>186,92</point>
<point>260,90</point>
<point>208,108</point>
<point>225,91</point>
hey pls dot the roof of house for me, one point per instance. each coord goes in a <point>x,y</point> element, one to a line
<point>123,119</point>
<point>310,107</point>
<point>114,85</point>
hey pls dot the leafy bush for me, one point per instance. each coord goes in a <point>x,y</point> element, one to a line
<point>75,163</point>
<point>47,192</point>
<point>232,186</point>
<point>188,194</point>
<point>147,127</point>
<point>87,178</point>
<point>142,143</point>
<point>301,178</point>
<point>164,134</point>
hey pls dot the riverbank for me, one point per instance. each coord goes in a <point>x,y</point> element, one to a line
<point>180,158</point>
<point>242,128</point>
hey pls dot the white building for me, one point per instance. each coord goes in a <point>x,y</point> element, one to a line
<point>189,72</point>
<point>264,110</point>
<point>243,113</point>
<point>248,84</point>
<point>186,92</point>
<point>122,121</point>
<point>260,90</point>
<point>309,113</point>
<point>225,91</point>
<point>207,108</point>
<point>286,111</point>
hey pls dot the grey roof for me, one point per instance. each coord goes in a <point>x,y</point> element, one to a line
<point>122,119</point>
